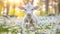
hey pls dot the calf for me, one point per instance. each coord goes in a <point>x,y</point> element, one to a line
<point>29,19</point>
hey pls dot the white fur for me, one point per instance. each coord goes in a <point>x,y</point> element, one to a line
<point>26,21</point>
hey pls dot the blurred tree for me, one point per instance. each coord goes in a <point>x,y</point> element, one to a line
<point>7,7</point>
<point>1,6</point>
<point>59,5</point>
<point>47,4</point>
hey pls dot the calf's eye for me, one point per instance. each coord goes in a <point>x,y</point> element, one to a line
<point>32,9</point>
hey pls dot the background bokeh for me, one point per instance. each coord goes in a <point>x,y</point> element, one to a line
<point>48,15</point>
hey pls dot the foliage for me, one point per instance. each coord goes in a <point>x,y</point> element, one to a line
<point>3,29</point>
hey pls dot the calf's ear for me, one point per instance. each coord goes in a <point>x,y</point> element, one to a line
<point>22,8</point>
<point>36,7</point>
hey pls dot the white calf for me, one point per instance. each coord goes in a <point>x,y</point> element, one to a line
<point>29,19</point>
